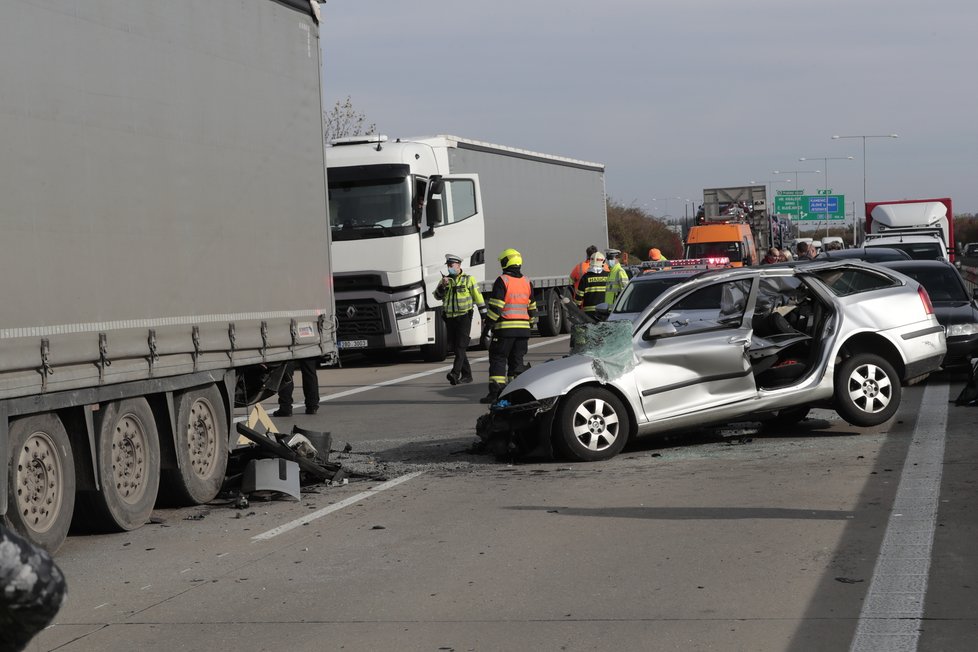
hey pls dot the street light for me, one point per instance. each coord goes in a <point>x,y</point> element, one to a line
<point>864,137</point>
<point>796,173</point>
<point>666,200</point>
<point>825,160</point>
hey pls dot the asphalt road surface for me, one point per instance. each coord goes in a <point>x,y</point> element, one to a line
<point>824,537</point>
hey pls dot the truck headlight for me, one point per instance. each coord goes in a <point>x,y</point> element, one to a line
<point>957,330</point>
<point>407,307</point>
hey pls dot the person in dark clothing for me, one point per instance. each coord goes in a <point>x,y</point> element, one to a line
<point>459,293</point>
<point>32,589</point>
<point>310,387</point>
<point>512,312</point>
<point>593,288</point>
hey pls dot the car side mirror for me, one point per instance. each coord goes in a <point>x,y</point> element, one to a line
<point>660,329</point>
<point>603,309</point>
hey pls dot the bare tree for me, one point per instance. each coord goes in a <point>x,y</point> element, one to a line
<point>344,120</point>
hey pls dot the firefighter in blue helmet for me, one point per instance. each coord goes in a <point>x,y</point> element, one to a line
<point>512,313</point>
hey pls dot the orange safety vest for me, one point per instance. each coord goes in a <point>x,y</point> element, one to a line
<point>517,300</point>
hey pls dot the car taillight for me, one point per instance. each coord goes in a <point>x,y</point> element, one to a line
<point>925,299</point>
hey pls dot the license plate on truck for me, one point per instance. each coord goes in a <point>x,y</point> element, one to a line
<point>352,344</point>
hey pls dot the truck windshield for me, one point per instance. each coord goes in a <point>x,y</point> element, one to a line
<point>370,208</point>
<point>731,250</point>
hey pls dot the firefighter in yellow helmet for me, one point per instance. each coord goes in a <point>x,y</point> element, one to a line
<point>512,312</point>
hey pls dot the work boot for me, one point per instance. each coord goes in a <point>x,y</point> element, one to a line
<point>282,412</point>
<point>465,378</point>
<point>312,409</point>
<point>494,389</point>
<point>452,378</point>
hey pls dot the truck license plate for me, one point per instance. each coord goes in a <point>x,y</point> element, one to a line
<point>353,344</point>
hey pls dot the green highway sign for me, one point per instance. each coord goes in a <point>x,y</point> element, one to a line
<point>811,207</point>
<point>787,204</point>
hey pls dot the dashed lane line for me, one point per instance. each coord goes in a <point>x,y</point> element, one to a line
<point>308,518</point>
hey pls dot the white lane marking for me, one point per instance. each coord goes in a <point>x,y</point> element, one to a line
<point>402,379</point>
<point>308,518</point>
<point>894,604</point>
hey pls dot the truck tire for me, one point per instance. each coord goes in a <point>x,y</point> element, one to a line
<point>201,448</point>
<point>41,481</point>
<point>552,323</point>
<point>438,351</point>
<point>128,467</point>
<point>565,322</point>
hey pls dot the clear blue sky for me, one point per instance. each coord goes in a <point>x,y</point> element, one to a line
<point>674,96</point>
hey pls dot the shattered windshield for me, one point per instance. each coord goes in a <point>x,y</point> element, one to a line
<point>609,344</point>
<point>370,208</point>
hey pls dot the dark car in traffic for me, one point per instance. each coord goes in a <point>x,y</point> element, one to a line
<point>955,309</point>
<point>869,254</point>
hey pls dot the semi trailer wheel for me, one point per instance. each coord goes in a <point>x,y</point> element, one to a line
<point>553,321</point>
<point>201,447</point>
<point>41,481</point>
<point>128,466</point>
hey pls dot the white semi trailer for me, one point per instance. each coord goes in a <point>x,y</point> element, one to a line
<point>398,207</point>
<point>165,247</point>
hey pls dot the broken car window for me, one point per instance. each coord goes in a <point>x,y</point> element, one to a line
<point>609,344</point>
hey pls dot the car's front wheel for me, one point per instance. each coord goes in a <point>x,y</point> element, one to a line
<point>867,390</point>
<point>593,425</point>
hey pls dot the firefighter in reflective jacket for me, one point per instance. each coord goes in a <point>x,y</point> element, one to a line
<point>512,312</point>
<point>593,288</point>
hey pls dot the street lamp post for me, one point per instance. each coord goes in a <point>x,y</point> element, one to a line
<point>666,200</point>
<point>796,173</point>
<point>864,137</point>
<point>825,160</point>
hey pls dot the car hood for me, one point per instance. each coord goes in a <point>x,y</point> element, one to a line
<point>553,378</point>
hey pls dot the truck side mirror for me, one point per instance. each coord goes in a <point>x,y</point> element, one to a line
<point>433,211</point>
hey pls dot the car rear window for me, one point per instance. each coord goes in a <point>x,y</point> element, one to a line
<point>941,284</point>
<point>847,281</point>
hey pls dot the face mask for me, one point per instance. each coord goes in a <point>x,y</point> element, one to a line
<point>597,269</point>
<point>453,271</point>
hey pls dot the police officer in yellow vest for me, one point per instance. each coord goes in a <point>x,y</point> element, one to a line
<point>512,312</point>
<point>617,276</point>
<point>458,293</point>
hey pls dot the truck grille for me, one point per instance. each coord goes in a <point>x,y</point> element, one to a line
<point>359,318</point>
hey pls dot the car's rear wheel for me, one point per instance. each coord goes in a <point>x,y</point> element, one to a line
<point>867,390</point>
<point>593,425</point>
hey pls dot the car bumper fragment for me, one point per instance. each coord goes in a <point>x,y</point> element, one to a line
<point>522,430</point>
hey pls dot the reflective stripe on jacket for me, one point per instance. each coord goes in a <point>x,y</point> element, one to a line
<point>459,295</point>
<point>592,290</point>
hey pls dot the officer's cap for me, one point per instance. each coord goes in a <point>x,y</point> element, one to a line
<point>452,258</point>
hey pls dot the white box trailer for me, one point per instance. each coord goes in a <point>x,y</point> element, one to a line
<point>164,249</point>
<point>398,207</point>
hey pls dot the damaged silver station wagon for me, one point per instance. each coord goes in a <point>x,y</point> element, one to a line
<point>755,342</point>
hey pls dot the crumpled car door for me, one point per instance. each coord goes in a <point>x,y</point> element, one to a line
<point>701,360</point>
